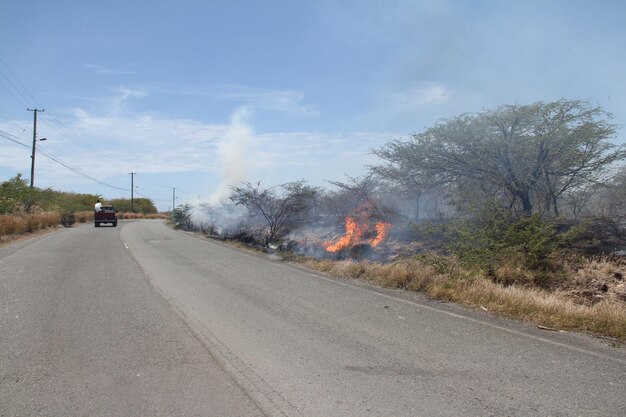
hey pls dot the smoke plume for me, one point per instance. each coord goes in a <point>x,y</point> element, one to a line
<point>232,154</point>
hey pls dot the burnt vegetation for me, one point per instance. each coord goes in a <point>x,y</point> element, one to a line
<point>523,195</point>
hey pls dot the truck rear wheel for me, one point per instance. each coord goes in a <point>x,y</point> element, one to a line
<point>96,224</point>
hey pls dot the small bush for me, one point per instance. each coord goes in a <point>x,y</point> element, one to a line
<point>68,219</point>
<point>181,217</point>
<point>507,249</point>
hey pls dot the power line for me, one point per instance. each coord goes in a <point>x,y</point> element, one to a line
<point>51,156</point>
<point>58,125</point>
<point>150,198</point>
<point>6,113</point>
<point>77,171</point>
<point>15,88</point>
<point>54,158</point>
<point>20,83</point>
<point>55,123</point>
<point>25,94</point>
<point>13,94</point>
<point>13,138</point>
<point>155,183</point>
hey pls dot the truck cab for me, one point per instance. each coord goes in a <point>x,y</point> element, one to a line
<point>105,215</point>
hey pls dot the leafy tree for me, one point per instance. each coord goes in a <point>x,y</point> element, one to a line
<point>277,206</point>
<point>525,156</point>
<point>17,196</point>
<point>139,205</point>
<point>13,192</point>
<point>181,216</point>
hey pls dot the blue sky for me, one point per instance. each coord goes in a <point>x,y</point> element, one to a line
<point>199,95</point>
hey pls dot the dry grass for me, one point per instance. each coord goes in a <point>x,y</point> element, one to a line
<point>84,216</point>
<point>87,216</point>
<point>157,216</point>
<point>127,215</point>
<point>28,223</point>
<point>441,278</point>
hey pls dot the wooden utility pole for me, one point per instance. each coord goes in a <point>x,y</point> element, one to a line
<point>173,198</point>
<point>132,191</point>
<point>32,156</point>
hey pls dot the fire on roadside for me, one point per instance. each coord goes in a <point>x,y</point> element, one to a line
<point>359,233</point>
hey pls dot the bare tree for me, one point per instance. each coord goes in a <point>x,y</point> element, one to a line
<point>362,190</point>
<point>277,206</point>
<point>577,199</point>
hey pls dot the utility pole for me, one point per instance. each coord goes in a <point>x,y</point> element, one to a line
<point>132,190</point>
<point>173,198</point>
<point>32,162</point>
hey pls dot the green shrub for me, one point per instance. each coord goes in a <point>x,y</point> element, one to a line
<point>505,247</point>
<point>181,216</point>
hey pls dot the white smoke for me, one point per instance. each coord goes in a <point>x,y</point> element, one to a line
<point>223,219</point>
<point>233,150</point>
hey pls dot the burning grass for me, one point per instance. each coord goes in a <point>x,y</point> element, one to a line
<point>442,278</point>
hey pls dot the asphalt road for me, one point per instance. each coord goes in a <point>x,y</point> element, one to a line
<point>144,320</point>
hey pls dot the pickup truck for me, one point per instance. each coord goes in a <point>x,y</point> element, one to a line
<point>105,215</point>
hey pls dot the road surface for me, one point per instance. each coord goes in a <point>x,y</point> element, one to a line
<point>144,320</point>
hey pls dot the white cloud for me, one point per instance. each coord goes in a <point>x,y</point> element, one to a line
<point>255,99</point>
<point>259,99</point>
<point>99,69</point>
<point>421,94</point>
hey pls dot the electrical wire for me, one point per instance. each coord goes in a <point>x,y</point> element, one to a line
<point>31,102</point>
<point>51,156</point>
<point>19,82</point>
<point>57,125</point>
<point>13,138</point>
<point>13,94</point>
<point>77,171</point>
<point>157,184</point>
<point>5,112</point>
<point>56,159</point>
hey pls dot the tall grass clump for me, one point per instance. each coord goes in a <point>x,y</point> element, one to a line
<point>12,224</point>
<point>84,216</point>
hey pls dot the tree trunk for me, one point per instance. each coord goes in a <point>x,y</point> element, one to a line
<point>527,205</point>
<point>418,196</point>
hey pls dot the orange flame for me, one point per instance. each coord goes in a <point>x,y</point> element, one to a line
<point>355,233</point>
<point>382,229</point>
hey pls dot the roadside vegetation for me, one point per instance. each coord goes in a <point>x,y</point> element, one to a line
<point>27,210</point>
<point>519,211</point>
